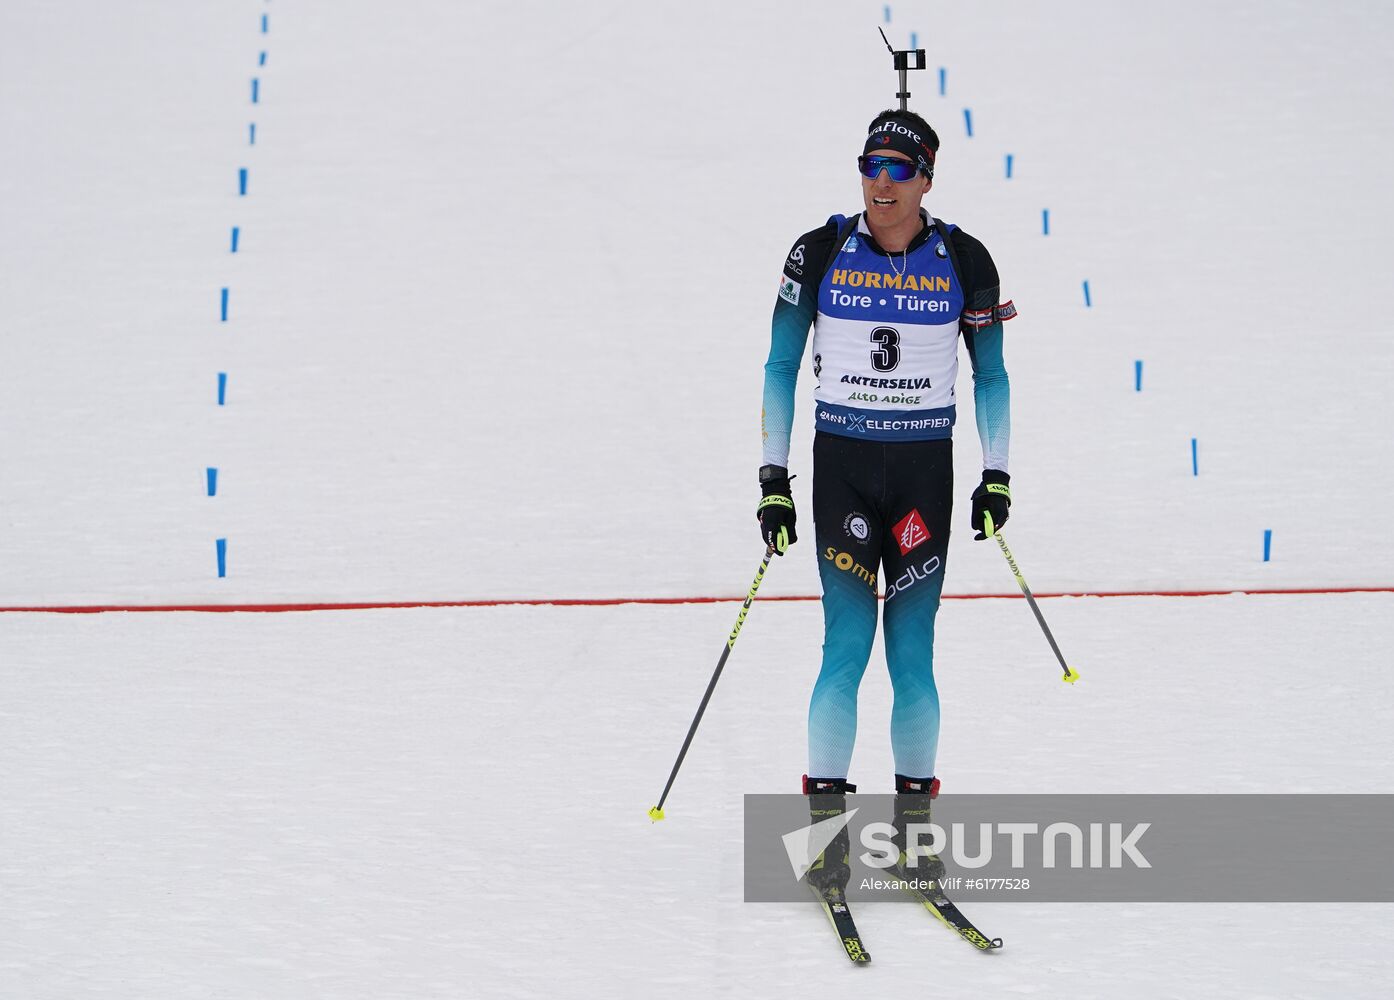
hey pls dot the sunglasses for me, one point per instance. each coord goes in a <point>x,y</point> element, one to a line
<point>898,170</point>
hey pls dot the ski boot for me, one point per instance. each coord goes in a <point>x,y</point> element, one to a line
<point>912,805</point>
<point>828,876</point>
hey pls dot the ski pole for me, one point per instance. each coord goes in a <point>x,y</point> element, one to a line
<point>656,813</point>
<point>1071,675</point>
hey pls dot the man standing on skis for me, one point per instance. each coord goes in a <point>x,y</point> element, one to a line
<point>888,293</point>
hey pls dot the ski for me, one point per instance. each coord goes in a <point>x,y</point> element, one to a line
<point>835,906</point>
<point>950,915</point>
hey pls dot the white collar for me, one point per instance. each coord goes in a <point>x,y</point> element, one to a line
<point>862,227</point>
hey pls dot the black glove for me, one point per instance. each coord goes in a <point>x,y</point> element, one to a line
<point>992,496</point>
<point>776,509</point>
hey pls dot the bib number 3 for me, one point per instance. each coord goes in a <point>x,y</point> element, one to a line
<point>886,356</point>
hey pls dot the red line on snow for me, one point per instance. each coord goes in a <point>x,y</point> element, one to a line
<point>590,602</point>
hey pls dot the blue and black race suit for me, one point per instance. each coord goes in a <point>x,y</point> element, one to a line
<point>885,357</point>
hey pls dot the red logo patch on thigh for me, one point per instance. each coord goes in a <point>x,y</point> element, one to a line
<point>910,532</point>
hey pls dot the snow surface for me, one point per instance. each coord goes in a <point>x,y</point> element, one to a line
<point>496,329</point>
<point>425,803</point>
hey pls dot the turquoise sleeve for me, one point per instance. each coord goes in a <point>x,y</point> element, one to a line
<point>788,338</point>
<point>992,397</point>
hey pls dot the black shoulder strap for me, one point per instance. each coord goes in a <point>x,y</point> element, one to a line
<point>947,237</point>
<point>846,229</point>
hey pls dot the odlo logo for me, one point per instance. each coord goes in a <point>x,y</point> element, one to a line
<point>912,576</point>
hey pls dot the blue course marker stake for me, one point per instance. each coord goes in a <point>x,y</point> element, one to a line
<point>212,481</point>
<point>224,306</point>
<point>1195,458</point>
<point>1088,302</point>
<point>222,556</point>
<point>242,180</point>
<point>886,12</point>
<point>1009,166</point>
<point>914,40</point>
<point>256,90</point>
<point>222,388</point>
<point>265,23</point>
<point>1045,222</point>
<point>261,59</point>
<point>943,80</point>
<point>235,232</point>
<point>1267,543</point>
<point>1137,376</point>
<point>968,121</point>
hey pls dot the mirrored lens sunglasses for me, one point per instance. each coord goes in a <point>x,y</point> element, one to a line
<point>898,170</point>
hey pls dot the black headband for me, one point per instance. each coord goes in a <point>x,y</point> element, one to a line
<point>902,137</point>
